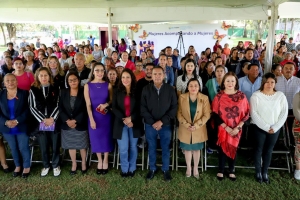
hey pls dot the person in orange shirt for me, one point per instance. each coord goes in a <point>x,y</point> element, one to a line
<point>139,73</point>
<point>226,50</point>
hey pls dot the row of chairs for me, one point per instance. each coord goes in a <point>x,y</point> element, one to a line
<point>282,147</point>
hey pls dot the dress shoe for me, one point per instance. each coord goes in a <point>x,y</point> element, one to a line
<point>73,172</point>
<point>6,170</point>
<point>266,178</point>
<point>99,171</point>
<point>105,171</point>
<point>25,175</point>
<point>258,177</point>
<point>232,177</point>
<point>16,174</point>
<point>124,174</point>
<point>167,176</point>
<point>84,171</point>
<point>131,174</point>
<point>150,175</point>
<point>219,177</point>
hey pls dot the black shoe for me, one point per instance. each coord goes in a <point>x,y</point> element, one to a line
<point>16,174</point>
<point>131,174</point>
<point>232,178</point>
<point>84,171</point>
<point>104,171</point>
<point>25,175</point>
<point>167,176</point>
<point>258,177</point>
<point>124,174</point>
<point>266,178</point>
<point>150,175</point>
<point>73,172</point>
<point>220,178</point>
<point>6,170</point>
<point>99,171</point>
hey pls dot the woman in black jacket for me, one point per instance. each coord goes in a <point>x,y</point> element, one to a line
<point>127,122</point>
<point>43,103</point>
<point>73,116</point>
<point>13,116</point>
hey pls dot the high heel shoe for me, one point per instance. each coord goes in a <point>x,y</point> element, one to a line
<point>6,170</point>
<point>266,178</point>
<point>73,172</point>
<point>99,171</point>
<point>25,175</point>
<point>105,171</point>
<point>84,171</point>
<point>258,177</point>
<point>16,174</point>
<point>220,178</point>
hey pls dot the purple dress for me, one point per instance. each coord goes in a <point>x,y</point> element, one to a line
<point>101,137</point>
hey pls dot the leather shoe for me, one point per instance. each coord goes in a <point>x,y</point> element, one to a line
<point>84,171</point>
<point>6,170</point>
<point>99,171</point>
<point>73,172</point>
<point>258,177</point>
<point>266,178</point>
<point>220,178</point>
<point>167,176</point>
<point>16,174</point>
<point>104,171</point>
<point>124,174</point>
<point>150,175</point>
<point>25,175</point>
<point>131,174</point>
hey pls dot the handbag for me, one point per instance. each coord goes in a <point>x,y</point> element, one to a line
<point>43,127</point>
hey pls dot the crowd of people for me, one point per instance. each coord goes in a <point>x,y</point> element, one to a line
<point>86,98</point>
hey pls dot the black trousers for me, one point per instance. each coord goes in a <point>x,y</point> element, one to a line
<point>47,140</point>
<point>265,143</point>
<point>222,160</point>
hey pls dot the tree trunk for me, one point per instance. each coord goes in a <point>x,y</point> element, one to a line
<point>11,29</point>
<point>245,30</point>
<point>2,29</point>
<point>292,25</point>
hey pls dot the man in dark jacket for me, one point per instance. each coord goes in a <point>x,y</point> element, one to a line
<point>248,58</point>
<point>158,108</point>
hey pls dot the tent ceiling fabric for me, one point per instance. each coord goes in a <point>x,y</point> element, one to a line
<point>132,11</point>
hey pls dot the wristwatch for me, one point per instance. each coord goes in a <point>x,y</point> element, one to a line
<point>239,128</point>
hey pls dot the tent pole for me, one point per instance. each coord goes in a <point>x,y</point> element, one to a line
<point>109,28</point>
<point>271,38</point>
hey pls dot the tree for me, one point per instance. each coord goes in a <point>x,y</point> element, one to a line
<point>2,29</point>
<point>259,26</point>
<point>11,30</point>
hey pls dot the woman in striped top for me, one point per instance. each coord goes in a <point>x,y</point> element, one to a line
<point>43,103</point>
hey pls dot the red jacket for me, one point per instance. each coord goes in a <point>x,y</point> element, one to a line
<point>130,65</point>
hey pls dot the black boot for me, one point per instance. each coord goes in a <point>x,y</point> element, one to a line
<point>259,177</point>
<point>266,178</point>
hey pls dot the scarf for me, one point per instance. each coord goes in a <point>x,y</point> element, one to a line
<point>232,109</point>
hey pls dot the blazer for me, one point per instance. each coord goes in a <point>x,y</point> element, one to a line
<point>35,66</point>
<point>202,115</point>
<point>21,110</point>
<point>119,113</point>
<point>79,113</point>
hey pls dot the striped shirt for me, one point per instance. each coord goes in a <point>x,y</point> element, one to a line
<point>40,115</point>
<point>289,88</point>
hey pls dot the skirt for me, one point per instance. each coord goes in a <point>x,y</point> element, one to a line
<point>192,147</point>
<point>74,139</point>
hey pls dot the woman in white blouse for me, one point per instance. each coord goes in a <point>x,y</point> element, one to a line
<point>269,110</point>
<point>188,73</point>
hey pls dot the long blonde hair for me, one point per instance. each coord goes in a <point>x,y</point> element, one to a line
<point>60,71</point>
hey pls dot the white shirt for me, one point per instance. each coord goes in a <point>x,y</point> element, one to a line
<point>268,111</point>
<point>288,87</point>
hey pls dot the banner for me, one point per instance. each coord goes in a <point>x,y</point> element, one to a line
<point>157,37</point>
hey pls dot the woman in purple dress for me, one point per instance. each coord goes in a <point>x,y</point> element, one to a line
<point>98,95</point>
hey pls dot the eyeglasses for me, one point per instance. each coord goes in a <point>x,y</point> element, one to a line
<point>73,80</point>
<point>139,65</point>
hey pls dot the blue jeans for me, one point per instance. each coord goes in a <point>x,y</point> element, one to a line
<point>128,145</point>
<point>165,139</point>
<point>19,144</point>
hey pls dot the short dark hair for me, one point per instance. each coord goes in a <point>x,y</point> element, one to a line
<point>249,66</point>
<point>265,78</point>
<point>158,67</point>
<point>168,47</point>
<point>220,66</point>
<point>150,64</point>
<point>289,63</point>
<point>236,87</point>
<point>162,55</point>
<point>10,43</point>
<point>248,49</point>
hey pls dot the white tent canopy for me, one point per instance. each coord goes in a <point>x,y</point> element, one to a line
<point>139,11</point>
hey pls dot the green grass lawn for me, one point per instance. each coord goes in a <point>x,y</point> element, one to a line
<point>112,186</point>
